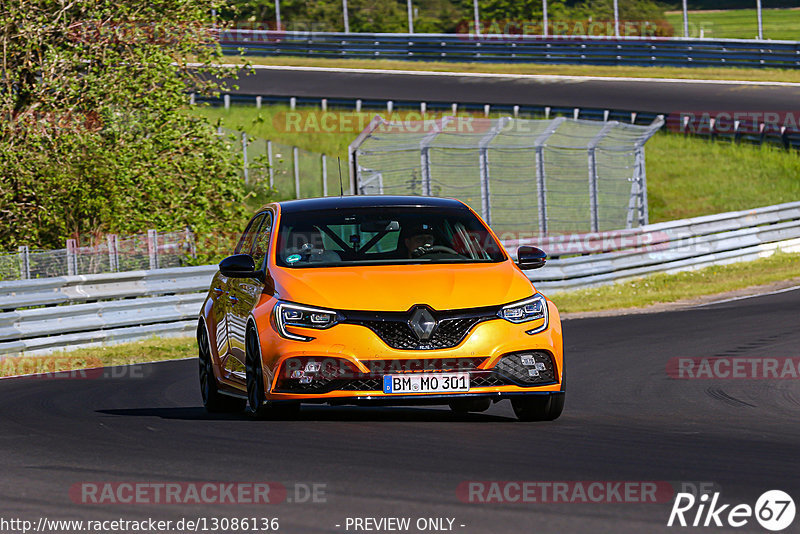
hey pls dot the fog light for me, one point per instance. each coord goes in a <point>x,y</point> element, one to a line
<point>306,373</point>
<point>527,360</point>
<point>531,372</point>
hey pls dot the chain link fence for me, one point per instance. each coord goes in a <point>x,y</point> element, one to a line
<point>152,250</point>
<point>548,177</point>
<point>293,172</point>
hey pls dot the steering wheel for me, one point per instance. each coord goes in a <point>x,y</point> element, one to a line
<point>421,251</point>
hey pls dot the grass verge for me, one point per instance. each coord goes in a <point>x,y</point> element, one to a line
<point>666,288</point>
<point>148,350</point>
<point>725,73</point>
<point>779,24</point>
<point>686,176</point>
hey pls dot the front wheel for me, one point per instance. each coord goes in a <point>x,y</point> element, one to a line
<point>257,405</point>
<point>542,407</point>
<point>213,400</point>
<point>256,398</point>
<point>539,407</point>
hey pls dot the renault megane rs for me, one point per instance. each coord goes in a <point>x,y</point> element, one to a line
<point>378,300</point>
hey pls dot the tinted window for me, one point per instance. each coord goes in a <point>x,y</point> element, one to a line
<point>381,235</point>
<point>245,245</point>
<point>261,244</point>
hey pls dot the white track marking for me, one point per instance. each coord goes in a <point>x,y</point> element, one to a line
<point>733,299</point>
<point>543,78</point>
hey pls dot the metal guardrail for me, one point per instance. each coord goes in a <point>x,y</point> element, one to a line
<point>40,316</point>
<point>594,259</point>
<point>586,50</point>
<point>96,287</point>
<point>43,315</point>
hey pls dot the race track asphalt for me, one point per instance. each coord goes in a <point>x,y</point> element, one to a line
<point>625,420</point>
<point>644,95</point>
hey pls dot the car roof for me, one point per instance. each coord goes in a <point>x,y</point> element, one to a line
<point>363,201</point>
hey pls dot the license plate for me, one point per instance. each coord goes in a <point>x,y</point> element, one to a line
<point>426,383</point>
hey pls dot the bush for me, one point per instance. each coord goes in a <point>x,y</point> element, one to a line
<point>94,137</point>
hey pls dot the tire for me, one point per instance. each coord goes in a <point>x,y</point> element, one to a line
<point>538,407</point>
<point>257,405</point>
<point>213,400</point>
<point>466,405</point>
<point>541,407</point>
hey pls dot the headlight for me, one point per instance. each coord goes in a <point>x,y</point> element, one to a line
<point>532,309</point>
<point>304,316</point>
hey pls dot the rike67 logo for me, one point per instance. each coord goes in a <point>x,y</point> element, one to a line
<point>774,510</point>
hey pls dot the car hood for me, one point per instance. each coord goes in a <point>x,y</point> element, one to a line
<point>399,287</point>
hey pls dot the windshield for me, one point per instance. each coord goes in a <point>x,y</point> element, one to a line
<point>384,235</point>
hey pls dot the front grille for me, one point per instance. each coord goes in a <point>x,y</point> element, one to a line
<point>422,365</point>
<point>363,384</point>
<point>393,327</point>
<point>537,369</point>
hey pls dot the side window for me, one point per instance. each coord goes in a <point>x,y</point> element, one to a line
<point>245,245</point>
<point>262,240</point>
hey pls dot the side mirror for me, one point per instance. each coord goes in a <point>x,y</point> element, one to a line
<point>240,266</point>
<point>530,258</point>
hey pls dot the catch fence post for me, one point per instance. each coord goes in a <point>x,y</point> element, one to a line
<point>24,262</point>
<point>152,248</point>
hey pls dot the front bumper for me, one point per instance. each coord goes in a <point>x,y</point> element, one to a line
<point>486,349</point>
<point>523,369</point>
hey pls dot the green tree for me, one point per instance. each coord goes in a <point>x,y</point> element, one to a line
<point>94,136</point>
<point>628,10</point>
<point>433,16</point>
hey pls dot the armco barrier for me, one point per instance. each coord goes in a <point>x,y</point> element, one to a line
<point>73,289</point>
<point>588,50</point>
<point>43,315</point>
<point>594,259</point>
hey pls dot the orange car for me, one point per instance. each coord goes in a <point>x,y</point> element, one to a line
<point>382,300</point>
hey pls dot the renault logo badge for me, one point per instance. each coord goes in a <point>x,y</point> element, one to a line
<point>422,323</point>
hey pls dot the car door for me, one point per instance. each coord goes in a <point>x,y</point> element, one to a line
<point>233,366</point>
<point>244,292</point>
